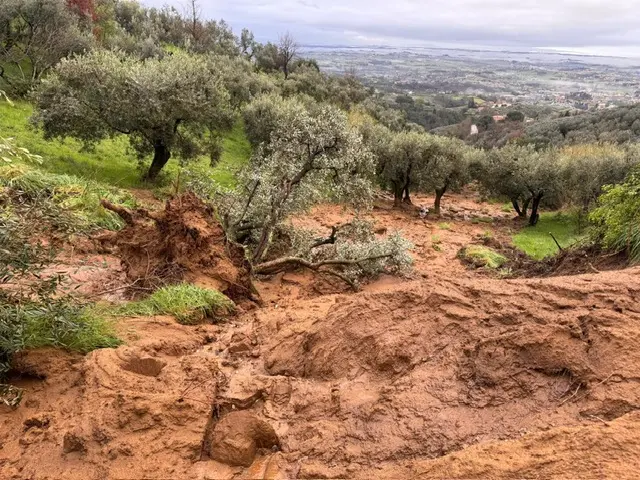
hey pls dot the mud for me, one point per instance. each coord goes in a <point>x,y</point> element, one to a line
<point>447,374</point>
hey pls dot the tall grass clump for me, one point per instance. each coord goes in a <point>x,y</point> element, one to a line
<point>69,203</point>
<point>188,303</point>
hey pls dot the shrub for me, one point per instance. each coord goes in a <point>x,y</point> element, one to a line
<point>617,217</point>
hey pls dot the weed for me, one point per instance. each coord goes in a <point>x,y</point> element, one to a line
<point>444,226</point>
<point>188,303</point>
<point>436,242</point>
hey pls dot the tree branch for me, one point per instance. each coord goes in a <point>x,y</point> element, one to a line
<point>281,264</point>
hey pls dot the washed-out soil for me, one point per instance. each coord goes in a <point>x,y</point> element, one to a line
<point>448,373</point>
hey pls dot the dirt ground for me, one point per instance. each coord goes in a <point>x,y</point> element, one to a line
<point>449,373</point>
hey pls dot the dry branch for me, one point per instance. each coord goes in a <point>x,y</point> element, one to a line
<point>281,264</point>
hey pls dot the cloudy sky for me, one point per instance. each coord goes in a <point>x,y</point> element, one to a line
<point>584,26</point>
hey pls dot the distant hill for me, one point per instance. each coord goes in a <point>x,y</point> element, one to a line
<point>615,125</point>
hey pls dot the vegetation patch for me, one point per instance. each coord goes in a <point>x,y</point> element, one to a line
<point>67,203</point>
<point>537,241</point>
<point>188,303</point>
<point>617,217</point>
<point>32,312</point>
<point>481,256</point>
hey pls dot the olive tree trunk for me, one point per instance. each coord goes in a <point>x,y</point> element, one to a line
<point>436,204</point>
<point>533,219</point>
<point>161,156</point>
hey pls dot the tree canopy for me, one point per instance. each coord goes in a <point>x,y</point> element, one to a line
<point>165,106</point>
<point>34,36</point>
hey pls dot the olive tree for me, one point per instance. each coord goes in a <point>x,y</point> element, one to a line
<point>34,36</point>
<point>448,169</point>
<point>312,155</point>
<point>405,163</point>
<point>165,106</point>
<point>586,169</point>
<point>523,175</point>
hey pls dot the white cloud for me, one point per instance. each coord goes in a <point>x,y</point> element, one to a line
<point>575,24</point>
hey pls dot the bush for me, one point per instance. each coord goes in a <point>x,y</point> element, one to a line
<point>188,303</point>
<point>617,217</point>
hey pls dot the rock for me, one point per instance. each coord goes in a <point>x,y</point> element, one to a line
<point>238,436</point>
<point>73,443</point>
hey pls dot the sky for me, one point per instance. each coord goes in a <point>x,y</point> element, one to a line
<point>600,27</point>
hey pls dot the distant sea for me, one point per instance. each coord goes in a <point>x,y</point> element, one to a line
<point>533,56</point>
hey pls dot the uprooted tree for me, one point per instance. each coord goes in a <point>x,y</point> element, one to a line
<point>312,155</point>
<point>165,106</point>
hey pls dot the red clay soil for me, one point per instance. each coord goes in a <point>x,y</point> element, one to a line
<point>448,374</point>
<point>183,241</point>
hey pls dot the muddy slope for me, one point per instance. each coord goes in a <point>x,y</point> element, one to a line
<point>450,374</point>
<point>386,384</point>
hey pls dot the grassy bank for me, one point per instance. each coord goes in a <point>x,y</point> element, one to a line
<point>111,161</point>
<point>537,241</point>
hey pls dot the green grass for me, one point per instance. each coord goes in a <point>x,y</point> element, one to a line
<point>482,256</point>
<point>536,241</point>
<point>235,154</point>
<point>188,303</point>
<point>111,161</point>
<point>67,202</point>
<point>70,328</point>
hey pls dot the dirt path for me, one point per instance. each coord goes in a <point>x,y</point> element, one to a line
<point>448,374</point>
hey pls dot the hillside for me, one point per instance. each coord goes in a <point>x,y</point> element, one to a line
<point>463,375</point>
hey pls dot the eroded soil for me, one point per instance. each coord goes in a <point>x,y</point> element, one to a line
<point>447,374</point>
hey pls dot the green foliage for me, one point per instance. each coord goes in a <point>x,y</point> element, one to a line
<point>66,203</point>
<point>355,241</point>
<point>34,36</point>
<point>188,303</point>
<point>444,226</point>
<point>617,217</point>
<point>537,241</point>
<point>312,155</point>
<point>32,313</point>
<point>515,116</point>
<point>166,106</point>
<point>585,169</point>
<point>68,156</point>
<point>521,174</point>
<point>481,256</point>
<point>616,125</point>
